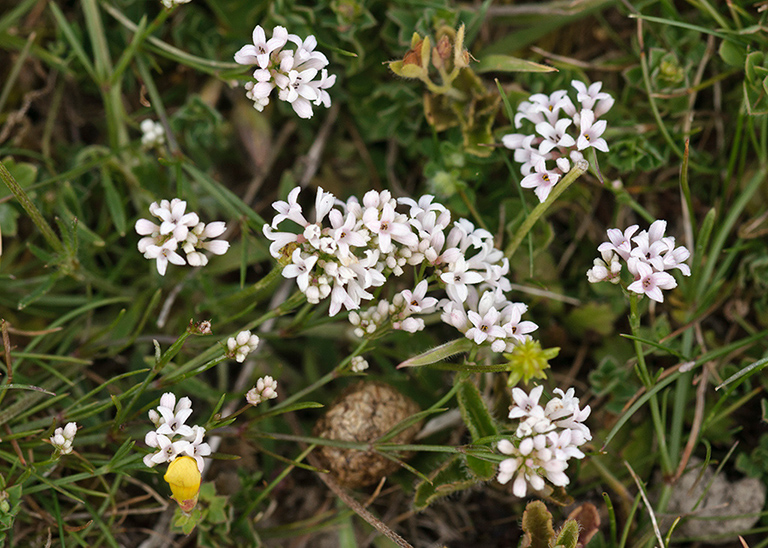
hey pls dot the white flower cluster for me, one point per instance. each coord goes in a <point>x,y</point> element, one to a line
<point>173,438</point>
<point>293,72</point>
<point>362,244</point>
<point>553,116</point>
<point>178,229</point>
<point>63,437</point>
<point>171,3</point>
<point>240,346</point>
<point>647,260</point>
<point>153,133</point>
<point>265,389</point>
<point>545,439</point>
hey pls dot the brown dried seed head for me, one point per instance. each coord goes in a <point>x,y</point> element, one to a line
<point>363,413</point>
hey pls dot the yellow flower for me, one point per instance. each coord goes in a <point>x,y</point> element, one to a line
<point>184,478</point>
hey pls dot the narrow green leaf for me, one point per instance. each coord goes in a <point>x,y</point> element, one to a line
<point>228,199</point>
<point>439,353</point>
<point>288,409</point>
<point>15,386</point>
<point>114,202</point>
<point>39,291</point>
<point>752,368</point>
<point>507,63</point>
<point>656,345</point>
<point>73,40</point>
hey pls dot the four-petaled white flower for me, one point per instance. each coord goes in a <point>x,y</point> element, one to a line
<point>591,132</point>
<point>650,282</point>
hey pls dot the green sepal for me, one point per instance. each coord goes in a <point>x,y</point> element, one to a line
<point>568,536</point>
<point>537,526</point>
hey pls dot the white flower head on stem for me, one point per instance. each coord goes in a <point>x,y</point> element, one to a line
<point>241,345</point>
<point>63,437</point>
<point>358,364</point>
<point>265,389</point>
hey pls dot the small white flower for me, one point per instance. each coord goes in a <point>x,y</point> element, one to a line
<point>173,421</point>
<point>589,96</point>
<point>542,183</point>
<point>416,301</point>
<point>164,254</point>
<point>265,389</point>
<point>484,327</point>
<point>172,3</point>
<point>591,132</point>
<point>457,279</point>
<point>197,448</point>
<point>650,282</point>
<point>259,52</point>
<point>620,242</point>
<point>167,450</point>
<point>63,437</point>
<point>301,268</point>
<point>153,133</point>
<point>526,405</point>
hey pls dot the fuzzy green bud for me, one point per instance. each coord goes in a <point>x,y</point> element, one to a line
<point>528,360</point>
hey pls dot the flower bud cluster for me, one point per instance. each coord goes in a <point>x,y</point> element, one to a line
<point>178,229</point>
<point>265,389</point>
<point>546,438</point>
<point>560,133</point>
<point>153,133</point>
<point>173,3</point>
<point>63,437</point>
<point>240,346</point>
<point>293,72</point>
<point>353,247</point>
<point>172,437</point>
<point>648,256</point>
<point>359,364</point>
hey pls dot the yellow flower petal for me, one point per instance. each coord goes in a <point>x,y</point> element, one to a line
<point>184,478</point>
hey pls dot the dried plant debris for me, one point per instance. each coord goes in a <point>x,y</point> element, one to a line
<point>363,413</point>
<point>727,507</point>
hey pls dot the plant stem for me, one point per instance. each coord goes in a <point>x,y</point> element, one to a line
<point>645,377</point>
<point>576,171</point>
<point>31,209</point>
